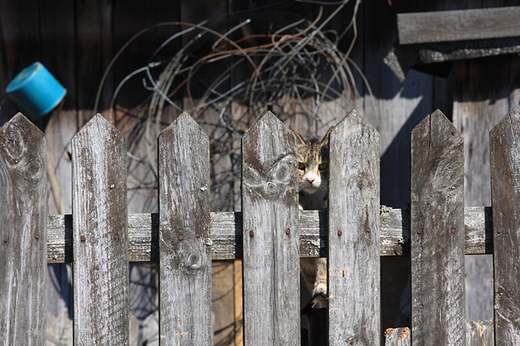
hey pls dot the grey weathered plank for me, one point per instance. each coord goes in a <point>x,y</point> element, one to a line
<point>478,222</point>
<point>398,337</point>
<point>480,333</point>
<point>505,186</point>
<point>354,244</point>
<point>477,334</point>
<point>184,234</point>
<point>270,234</point>
<point>475,116</point>
<point>226,234</point>
<point>437,233</point>
<point>444,26</point>
<point>23,216</point>
<point>100,248</point>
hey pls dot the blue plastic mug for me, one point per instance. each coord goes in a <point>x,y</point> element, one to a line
<point>35,91</point>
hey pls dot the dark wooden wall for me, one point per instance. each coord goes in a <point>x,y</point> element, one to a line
<point>76,41</point>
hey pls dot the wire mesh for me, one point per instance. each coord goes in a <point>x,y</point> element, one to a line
<point>227,75</point>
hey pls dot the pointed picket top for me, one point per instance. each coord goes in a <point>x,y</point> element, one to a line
<point>437,232</point>
<point>22,133</point>
<point>264,120</point>
<point>354,121</point>
<point>184,234</point>
<point>23,273</point>
<point>505,196</point>
<point>184,121</point>
<point>440,133</point>
<point>24,148</point>
<point>257,136</point>
<point>511,122</point>
<point>99,122</point>
<point>100,234</point>
<point>22,120</point>
<point>271,234</point>
<point>354,191</point>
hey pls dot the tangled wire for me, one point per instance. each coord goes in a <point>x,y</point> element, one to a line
<point>227,75</point>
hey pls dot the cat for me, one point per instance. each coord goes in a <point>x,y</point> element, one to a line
<point>313,185</point>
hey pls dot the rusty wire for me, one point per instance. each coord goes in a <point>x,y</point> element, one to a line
<point>298,61</point>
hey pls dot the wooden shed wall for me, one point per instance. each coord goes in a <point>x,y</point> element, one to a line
<point>76,41</point>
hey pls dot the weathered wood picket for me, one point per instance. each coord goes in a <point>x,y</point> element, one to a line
<point>270,234</point>
<point>437,237</point>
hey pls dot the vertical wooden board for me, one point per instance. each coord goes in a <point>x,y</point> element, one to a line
<point>57,27</point>
<point>238,303</point>
<point>23,244</point>
<point>482,97</point>
<point>19,46</point>
<point>398,337</point>
<point>141,128</point>
<point>94,39</point>
<point>100,268</point>
<point>184,234</point>
<point>481,100</point>
<point>222,300</point>
<point>271,234</point>
<point>354,245</point>
<point>480,333</point>
<point>437,227</point>
<point>392,107</point>
<point>505,182</point>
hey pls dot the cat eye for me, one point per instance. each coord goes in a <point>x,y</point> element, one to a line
<point>301,166</point>
<point>323,166</point>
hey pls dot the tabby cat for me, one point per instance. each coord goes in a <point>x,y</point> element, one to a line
<point>313,184</point>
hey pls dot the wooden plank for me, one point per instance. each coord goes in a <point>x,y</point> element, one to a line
<point>94,50</point>
<point>478,222</point>
<point>474,115</point>
<point>238,303</point>
<point>271,235</point>
<point>447,26</point>
<point>398,337</point>
<point>393,108</point>
<point>23,233</point>
<point>19,46</point>
<point>480,333</point>
<point>226,234</point>
<point>354,285</point>
<point>141,126</point>
<point>437,224</point>
<point>100,268</point>
<point>184,234</point>
<point>57,24</point>
<point>222,302</point>
<point>505,178</point>
<point>477,333</point>
<point>60,126</point>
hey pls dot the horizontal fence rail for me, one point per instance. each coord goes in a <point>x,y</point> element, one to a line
<point>270,235</point>
<point>226,234</point>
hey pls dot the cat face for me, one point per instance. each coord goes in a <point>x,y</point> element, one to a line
<point>313,163</point>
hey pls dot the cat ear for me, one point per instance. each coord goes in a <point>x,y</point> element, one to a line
<point>298,136</point>
<point>325,138</point>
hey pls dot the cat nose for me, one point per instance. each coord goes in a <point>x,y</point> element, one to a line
<point>310,179</point>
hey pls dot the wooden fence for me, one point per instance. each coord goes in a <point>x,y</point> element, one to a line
<point>270,234</point>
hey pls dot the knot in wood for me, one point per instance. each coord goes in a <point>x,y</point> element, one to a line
<point>194,260</point>
<point>14,145</point>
